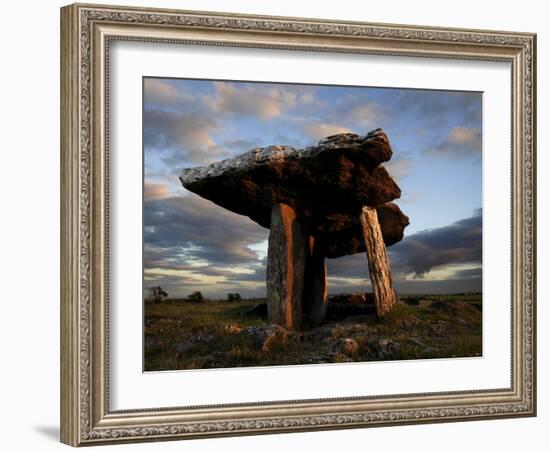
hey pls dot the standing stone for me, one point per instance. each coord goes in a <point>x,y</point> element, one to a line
<point>285,268</point>
<point>315,285</point>
<point>379,267</point>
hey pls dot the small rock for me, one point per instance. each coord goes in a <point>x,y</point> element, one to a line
<point>437,329</point>
<point>386,347</point>
<point>349,347</point>
<point>192,342</point>
<point>274,339</point>
<point>204,338</point>
<point>317,358</point>
<point>232,329</point>
<point>266,336</point>
<point>408,321</point>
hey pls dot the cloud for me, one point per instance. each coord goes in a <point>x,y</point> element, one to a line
<point>460,142</point>
<point>195,122</point>
<point>468,274</point>
<point>155,190</point>
<point>192,243</point>
<point>450,286</point>
<point>237,146</point>
<point>454,252</point>
<point>264,101</point>
<point>349,267</point>
<point>417,286</point>
<point>196,127</point>
<point>346,114</point>
<point>181,136</point>
<point>407,198</point>
<point>435,108</point>
<point>317,131</point>
<point>360,112</point>
<point>469,137</point>
<point>197,229</point>
<point>458,243</point>
<point>180,283</point>
<point>164,93</point>
<point>399,167</point>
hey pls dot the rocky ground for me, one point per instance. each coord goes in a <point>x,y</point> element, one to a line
<point>214,334</point>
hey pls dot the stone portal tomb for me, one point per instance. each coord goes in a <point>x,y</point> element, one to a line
<point>325,201</point>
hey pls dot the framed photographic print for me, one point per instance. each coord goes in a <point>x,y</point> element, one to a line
<point>277,224</point>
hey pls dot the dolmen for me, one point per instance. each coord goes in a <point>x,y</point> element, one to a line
<point>325,201</point>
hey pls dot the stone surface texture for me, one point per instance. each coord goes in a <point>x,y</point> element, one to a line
<point>286,261</point>
<point>326,185</point>
<point>379,268</point>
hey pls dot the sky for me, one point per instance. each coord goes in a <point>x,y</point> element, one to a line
<point>191,244</point>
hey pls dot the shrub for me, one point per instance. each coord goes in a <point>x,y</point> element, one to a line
<point>195,297</point>
<point>414,301</point>
<point>234,297</point>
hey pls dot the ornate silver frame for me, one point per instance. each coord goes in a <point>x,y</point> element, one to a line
<point>86,31</point>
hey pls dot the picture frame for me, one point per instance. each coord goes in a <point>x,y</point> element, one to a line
<point>87,33</point>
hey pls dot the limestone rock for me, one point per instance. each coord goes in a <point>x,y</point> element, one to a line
<point>349,347</point>
<point>379,270</point>
<point>387,347</point>
<point>193,342</point>
<point>231,328</point>
<point>285,268</point>
<point>326,185</point>
<point>267,336</point>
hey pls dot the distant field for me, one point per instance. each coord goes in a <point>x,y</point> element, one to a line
<point>212,334</point>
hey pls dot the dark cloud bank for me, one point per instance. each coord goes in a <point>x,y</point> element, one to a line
<point>454,245</point>
<point>204,240</point>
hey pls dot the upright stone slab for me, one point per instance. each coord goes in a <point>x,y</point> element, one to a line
<point>379,267</point>
<point>315,284</point>
<point>285,268</point>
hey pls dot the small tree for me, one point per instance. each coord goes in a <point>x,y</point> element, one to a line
<point>195,297</point>
<point>156,294</point>
<point>236,297</point>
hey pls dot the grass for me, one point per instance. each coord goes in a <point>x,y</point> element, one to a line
<point>214,334</point>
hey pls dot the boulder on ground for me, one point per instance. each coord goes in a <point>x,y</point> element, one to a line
<point>267,336</point>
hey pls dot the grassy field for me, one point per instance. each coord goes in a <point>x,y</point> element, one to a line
<point>183,335</point>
